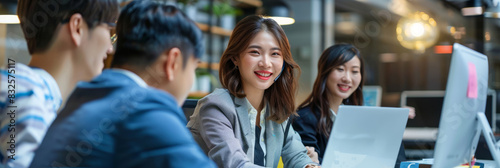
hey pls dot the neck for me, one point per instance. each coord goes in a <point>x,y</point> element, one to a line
<point>59,66</point>
<point>152,79</point>
<point>335,103</point>
<point>255,98</point>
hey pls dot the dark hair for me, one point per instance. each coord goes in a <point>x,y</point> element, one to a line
<point>281,95</point>
<point>145,29</point>
<point>331,58</point>
<point>41,19</point>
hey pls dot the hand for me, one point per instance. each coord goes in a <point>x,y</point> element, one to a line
<point>312,154</point>
<point>412,112</point>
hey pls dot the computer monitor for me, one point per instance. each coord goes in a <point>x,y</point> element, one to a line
<point>372,95</point>
<point>429,103</point>
<point>465,100</point>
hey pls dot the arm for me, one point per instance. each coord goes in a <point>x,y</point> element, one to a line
<point>306,128</point>
<point>218,134</point>
<point>158,139</point>
<point>294,153</point>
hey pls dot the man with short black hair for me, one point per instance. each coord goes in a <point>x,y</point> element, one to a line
<point>67,41</point>
<point>130,116</point>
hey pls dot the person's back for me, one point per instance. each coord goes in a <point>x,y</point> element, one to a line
<point>67,43</point>
<point>107,123</point>
<point>130,116</point>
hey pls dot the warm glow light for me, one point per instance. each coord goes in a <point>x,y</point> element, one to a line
<point>9,19</point>
<point>452,30</point>
<point>282,20</point>
<point>400,38</point>
<point>425,16</point>
<point>417,29</point>
<point>432,22</point>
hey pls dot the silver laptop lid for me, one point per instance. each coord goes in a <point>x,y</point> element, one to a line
<point>365,137</point>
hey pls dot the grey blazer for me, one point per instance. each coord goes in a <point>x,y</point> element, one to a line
<point>221,126</point>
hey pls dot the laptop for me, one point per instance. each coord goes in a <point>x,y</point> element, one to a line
<point>365,136</point>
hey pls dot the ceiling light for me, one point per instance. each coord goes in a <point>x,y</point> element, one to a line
<point>277,10</point>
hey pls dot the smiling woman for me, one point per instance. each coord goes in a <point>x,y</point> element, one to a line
<point>339,81</point>
<point>282,93</point>
<point>244,124</point>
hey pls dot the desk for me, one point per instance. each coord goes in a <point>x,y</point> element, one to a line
<point>419,142</point>
<point>487,163</point>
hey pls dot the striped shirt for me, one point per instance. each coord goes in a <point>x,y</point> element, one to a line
<point>29,101</point>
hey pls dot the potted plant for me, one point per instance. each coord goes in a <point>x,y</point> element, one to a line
<point>225,13</point>
<point>204,80</point>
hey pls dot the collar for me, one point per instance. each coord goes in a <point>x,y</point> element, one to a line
<point>253,108</point>
<point>132,76</point>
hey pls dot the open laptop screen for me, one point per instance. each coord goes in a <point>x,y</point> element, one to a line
<point>365,136</point>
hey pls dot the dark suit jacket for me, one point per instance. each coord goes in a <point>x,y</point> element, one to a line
<point>306,125</point>
<point>114,122</point>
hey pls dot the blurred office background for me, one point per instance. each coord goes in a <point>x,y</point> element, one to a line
<point>406,44</point>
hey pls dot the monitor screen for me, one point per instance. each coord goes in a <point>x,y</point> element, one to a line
<point>372,95</point>
<point>428,106</point>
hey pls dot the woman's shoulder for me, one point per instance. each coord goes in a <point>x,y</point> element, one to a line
<point>305,113</point>
<point>306,110</point>
<point>219,97</point>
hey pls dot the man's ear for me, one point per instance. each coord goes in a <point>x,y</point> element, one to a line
<point>173,62</point>
<point>76,27</point>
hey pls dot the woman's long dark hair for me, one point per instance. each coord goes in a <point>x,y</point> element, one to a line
<point>281,95</point>
<point>331,58</point>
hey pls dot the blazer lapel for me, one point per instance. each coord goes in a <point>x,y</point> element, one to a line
<point>242,112</point>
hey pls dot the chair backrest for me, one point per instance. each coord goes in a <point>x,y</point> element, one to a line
<point>188,107</point>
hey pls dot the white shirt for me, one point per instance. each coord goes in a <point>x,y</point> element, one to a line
<point>252,115</point>
<point>334,115</point>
